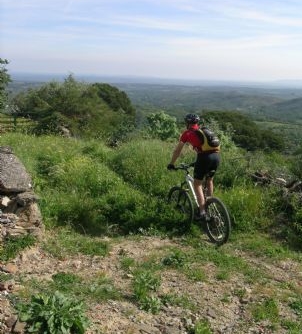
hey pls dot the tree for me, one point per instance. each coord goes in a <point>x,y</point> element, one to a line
<point>162,126</point>
<point>84,109</point>
<point>4,80</point>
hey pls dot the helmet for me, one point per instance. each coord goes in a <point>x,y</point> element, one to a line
<point>192,118</point>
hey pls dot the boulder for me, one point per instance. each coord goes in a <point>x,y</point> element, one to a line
<point>13,176</point>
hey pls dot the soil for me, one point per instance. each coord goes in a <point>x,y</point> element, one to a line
<point>225,304</point>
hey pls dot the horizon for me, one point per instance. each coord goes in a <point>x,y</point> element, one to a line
<point>128,79</point>
<point>222,40</point>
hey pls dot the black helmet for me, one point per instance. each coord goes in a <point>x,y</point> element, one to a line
<point>192,119</point>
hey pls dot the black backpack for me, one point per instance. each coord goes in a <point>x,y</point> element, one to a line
<point>209,141</point>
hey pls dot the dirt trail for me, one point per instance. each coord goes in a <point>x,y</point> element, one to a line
<point>225,304</point>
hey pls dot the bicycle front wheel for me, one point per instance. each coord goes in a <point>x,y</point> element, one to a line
<point>218,224</point>
<point>182,205</point>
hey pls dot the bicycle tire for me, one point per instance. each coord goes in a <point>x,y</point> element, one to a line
<point>182,203</point>
<point>218,224</point>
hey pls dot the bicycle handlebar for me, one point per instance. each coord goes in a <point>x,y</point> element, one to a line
<point>184,166</point>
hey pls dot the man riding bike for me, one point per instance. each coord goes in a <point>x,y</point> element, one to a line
<point>206,162</point>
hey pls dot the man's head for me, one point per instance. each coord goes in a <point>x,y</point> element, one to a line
<point>191,119</point>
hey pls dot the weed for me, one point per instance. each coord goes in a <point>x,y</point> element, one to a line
<point>222,275</point>
<point>292,326</point>
<point>201,327</point>
<point>297,306</point>
<point>54,314</point>
<point>4,277</point>
<point>127,263</point>
<point>195,273</point>
<point>145,282</point>
<point>150,303</point>
<point>178,300</point>
<point>266,310</point>
<point>176,259</point>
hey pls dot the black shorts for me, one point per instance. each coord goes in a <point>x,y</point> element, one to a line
<point>206,165</point>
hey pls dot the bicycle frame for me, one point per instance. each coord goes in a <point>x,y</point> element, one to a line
<point>189,180</point>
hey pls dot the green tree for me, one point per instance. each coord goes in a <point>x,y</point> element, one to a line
<point>246,133</point>
<point>80,107</point>
<point>162,126</point>
<point>4,80</point>
<point>116,99</point>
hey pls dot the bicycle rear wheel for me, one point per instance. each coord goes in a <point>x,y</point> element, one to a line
<point>182,205</point>
<point>218,224</point>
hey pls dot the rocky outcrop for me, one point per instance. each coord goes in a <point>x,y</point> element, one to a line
<point>19,211</point>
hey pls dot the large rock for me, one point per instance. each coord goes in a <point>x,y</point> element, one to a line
<point>13,176</point>
<point>19,211</point>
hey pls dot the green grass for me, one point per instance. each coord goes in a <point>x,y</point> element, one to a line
<point>65,242</point>
<point>14,245</point>
<point>266,310</point>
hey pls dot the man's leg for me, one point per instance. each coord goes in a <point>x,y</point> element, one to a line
<point>199,194</point>
<point>210,186</point>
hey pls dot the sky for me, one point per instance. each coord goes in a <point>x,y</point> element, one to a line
<point>240,40</point>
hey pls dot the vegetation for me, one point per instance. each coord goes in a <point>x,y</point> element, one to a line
<point>4,80</point>
<point>89,189</point>
<point>247,133</point>
<point>54,314</point>
<point>94,110</point>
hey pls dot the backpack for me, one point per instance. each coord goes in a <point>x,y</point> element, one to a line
<point>209,140</point>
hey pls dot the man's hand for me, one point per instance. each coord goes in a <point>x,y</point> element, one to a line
<point>170,167</point>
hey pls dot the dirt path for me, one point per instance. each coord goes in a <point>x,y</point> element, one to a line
<point>225,304</point>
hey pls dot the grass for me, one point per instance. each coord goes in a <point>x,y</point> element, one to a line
<point>63,242</point>
<point>14,245</point>
<point>267,309</point>
<point>97,287</point>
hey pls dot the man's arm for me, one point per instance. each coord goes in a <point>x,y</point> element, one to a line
<point>176,152</point>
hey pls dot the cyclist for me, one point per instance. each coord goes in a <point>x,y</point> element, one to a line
<point>206,163</point>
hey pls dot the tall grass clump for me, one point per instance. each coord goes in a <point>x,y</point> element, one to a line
<point>142,163</point>
<point>251,208</point>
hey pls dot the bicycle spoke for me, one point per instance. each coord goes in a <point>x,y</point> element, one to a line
<point>218,227</point>
<point>181,202</point>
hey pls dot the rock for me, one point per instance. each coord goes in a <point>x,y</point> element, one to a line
<point>19,327</point>
<point>4,201</point>
<point>10,268</point>
<point>10,322</point>
<point>13,176</point>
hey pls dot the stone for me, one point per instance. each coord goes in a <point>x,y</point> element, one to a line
<point>10,322</point>
<point>13,176</point>
<point>19,327</point>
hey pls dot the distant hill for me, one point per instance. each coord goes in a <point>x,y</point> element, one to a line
<point>262,102</point>
<point>286,110</point>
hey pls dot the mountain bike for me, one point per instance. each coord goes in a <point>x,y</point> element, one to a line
<point>217,224</point>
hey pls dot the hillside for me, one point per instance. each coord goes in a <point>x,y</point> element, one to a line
<point>258,102</point>
<point>290,110</point>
